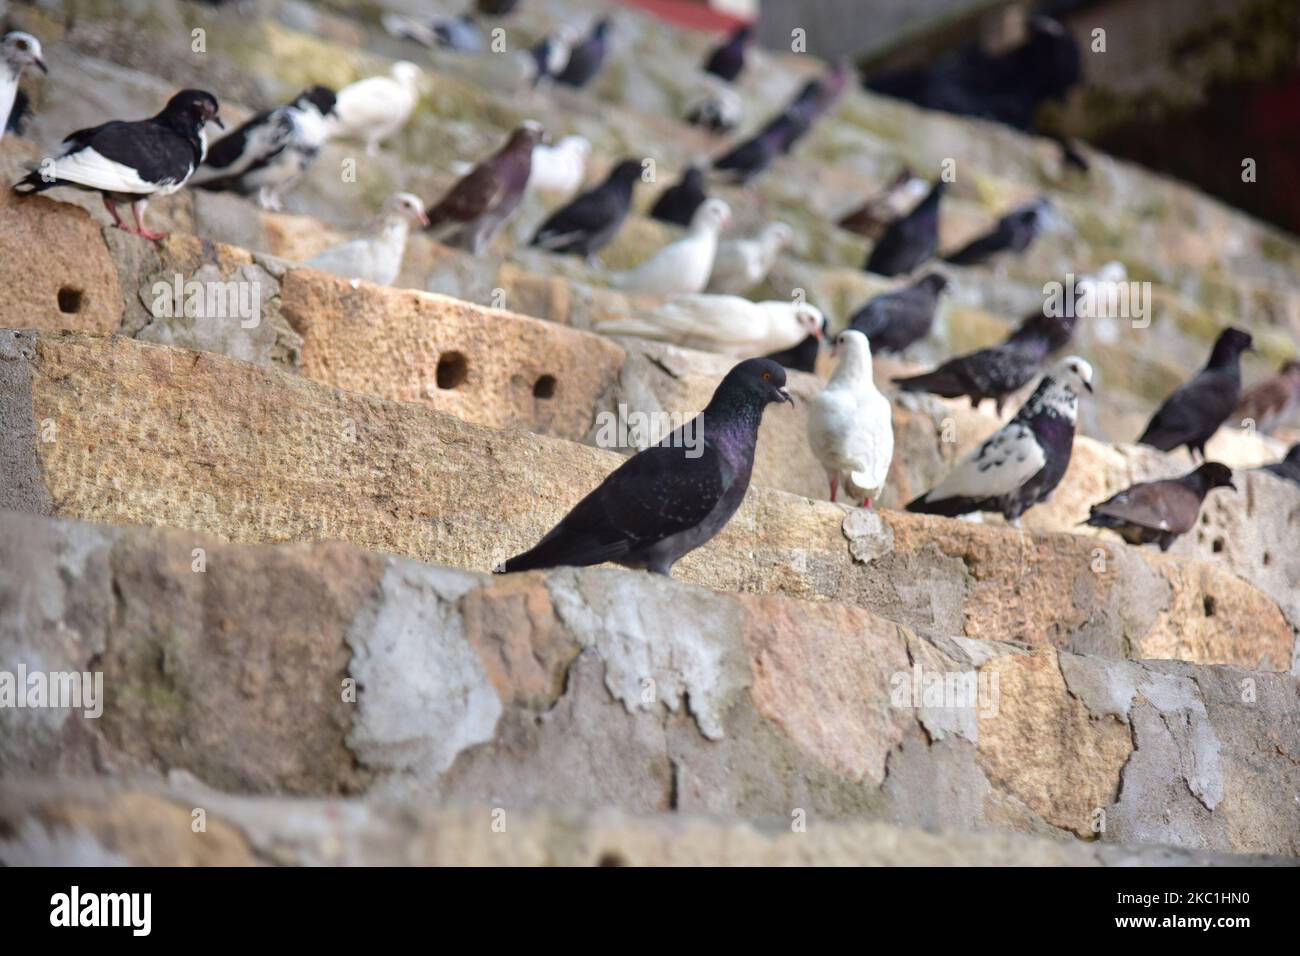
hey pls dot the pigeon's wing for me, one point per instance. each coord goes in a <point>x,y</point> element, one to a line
<point>250,146</point>
<point>368,102</point>
<point>977,250</point>
<point>1002,464</point>
<point>899,318</point>
<point>1198,406</point>
<point>655,494</point>
<point>126,157</point>
<point>1159,505</point>
<point>737,267</point>
<point>473,195</point>
<point>711,318</point>
<point>589,213</point>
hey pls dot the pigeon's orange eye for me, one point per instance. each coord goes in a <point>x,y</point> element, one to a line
<point>767,376</point>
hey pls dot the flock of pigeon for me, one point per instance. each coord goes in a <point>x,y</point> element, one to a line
<point>669,499</point>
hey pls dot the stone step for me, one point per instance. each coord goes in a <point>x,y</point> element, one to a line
<point>116,430</point>
<point>62,822</point>
<point>324,670</point>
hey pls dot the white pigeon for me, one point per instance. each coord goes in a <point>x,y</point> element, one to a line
<point>375,108</point>
<point>850,424</point>
<point>17,52</point>
<point>742,264</point>
<point>682,267</point>
<point>376,258</point>
<point>558,171</point>
<point>722,323</point>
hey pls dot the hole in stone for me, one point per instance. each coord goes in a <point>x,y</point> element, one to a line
<point>611,858</point>
<point>1217,546</point>
<point>453,369</point>
<point>544,387</point>
<point>69,301</point>
<point>1209,606</point>
<point>1267,558</point>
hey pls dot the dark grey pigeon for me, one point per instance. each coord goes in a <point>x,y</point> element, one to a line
<point>496,8</point>
<point>995,373</point>
<point>680,200</point>
<point>1022,463</point>
<point>728,58</point>
<point>132,161</point>
<point>747,159</point>
<point>587,57</point>
<point>1193,413</point>
<point>671,498</point>
<point>1288,467</point>
<point>1160,511</point>
<point>1014,233</point>
<point>893,321</point>
<point>909,241</point>
<point>803,357</point>
<point>588,223</point>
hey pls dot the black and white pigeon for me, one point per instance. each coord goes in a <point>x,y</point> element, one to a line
<point>587,57</point>
<point>671,498</point>
<point>1022,463</point>
<point>1194,412</point>
<point>677,203</point>
<point>802,357</point>
<point>716,108</point>
<point>550,55</point>
<point>1160,511</point>
<point>909,241</point>
<point>995,373</point>
<point>894,320</point>
<point>17,52</point>
<point>132,162</point>
<point>1288,467</point>
<point>1015,232</point>
<point>270,154</point>
<point>727,60</point>
<point>485,198</point>
<point>586,225</point>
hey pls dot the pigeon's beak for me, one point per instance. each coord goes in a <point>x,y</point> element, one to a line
<point>40,65</point>
<point>421,215</point>
<point>217,119</point>
<point>785,395</point>
<point>1088,386</point>
<point>1231,485</point>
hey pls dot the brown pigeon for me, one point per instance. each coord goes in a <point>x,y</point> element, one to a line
<point>1160,511</point>
<point>1273,400</point>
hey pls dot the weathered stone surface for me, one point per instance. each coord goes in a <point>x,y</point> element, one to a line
<point>577,689</point>
<point>152,435</point>
<point>78,822</point>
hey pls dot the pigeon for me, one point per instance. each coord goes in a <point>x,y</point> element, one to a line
<point>375,258</point>
<point>1022,463</point>
<point>558,171</point>
<point>586,57</point>
<point>483,199</point>
<point>19,114</point>
<point>17,52</point>
<point>1014,233</point>
<point>872,217</point>
<point>375,108</point>
<point>1059,329</point>
<point>1160,511</point>
<point>548,58</point>
<point>727,60</point>
<point>677,203</point>
<point>669,499</point>
<point>812,100</point>
<point>995,373</point>
<point>1288,467</point>
<point>850,424</point>
<point>132,162</point>
<point>682,267</point>
<point>751,157</point>
<point>802,357</point>
<point>722,323</point>
<point>911,241</point>
<point>1273,401</point>
<point>742,264</point>
<point>496,8</point>
<point>893,321</point>
<point>270,153</point>
<point>717,109</point>
<point>1194,412</point>
<point>461,33</point>
<point>586,225</point>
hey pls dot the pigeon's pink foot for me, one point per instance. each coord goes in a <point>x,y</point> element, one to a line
<point>835,486</point>
<point>151,235</point>
<point>112,211</point>
<point>137,210</point>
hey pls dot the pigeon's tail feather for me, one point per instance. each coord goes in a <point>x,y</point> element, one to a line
<point>565,550</point>
<point>947,507</point>
<point>943,382</point>
<point>1159,437</point>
